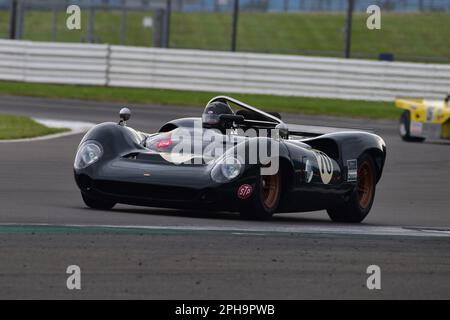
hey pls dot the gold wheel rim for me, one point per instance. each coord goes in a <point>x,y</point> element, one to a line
<point>270,190</point>
<point>365,185</point>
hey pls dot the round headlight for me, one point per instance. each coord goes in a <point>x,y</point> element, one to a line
<point>87,154</point>
<point>226,169</point>
<point>231,168</point>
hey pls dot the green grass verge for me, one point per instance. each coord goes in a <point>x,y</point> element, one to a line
<point>333,107</point>
<point>15,127</point>
<point>407,35</point>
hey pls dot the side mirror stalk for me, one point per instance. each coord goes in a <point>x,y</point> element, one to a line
<point>125,115</point>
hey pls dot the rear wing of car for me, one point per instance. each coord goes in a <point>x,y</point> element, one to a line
<point>408,104</point>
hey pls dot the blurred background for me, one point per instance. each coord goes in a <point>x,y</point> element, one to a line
<point>412,30</point>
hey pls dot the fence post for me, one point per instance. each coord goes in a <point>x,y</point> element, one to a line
<point>124,24</point>
<point>16,20</point>
<point>235,25</point>
<point>158,28</point>
<point>90,33</point>
<point>166,29</point>
<point>54,22</point>
<point>20,19</point>
<point>108,65</point>
<point>13,20</point>
<point>348,28</point>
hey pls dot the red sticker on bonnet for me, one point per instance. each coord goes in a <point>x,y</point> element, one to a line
<point>164,144</point>
<point>244,191</point>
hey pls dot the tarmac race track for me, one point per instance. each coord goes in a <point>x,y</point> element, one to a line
<point>134,252</point>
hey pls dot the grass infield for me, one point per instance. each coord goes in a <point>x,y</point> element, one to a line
<point>16,127</point>
<point>313,106</point>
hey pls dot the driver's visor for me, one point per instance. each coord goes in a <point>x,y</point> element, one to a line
<point>211,118</point>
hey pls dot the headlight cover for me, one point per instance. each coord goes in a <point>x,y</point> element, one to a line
<point>226,170</point>
<point>88,153</point>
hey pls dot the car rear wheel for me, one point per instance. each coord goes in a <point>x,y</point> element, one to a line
<point>359,203</point>
<point>97,203</point>
<point>265,199</point>
<point>404,128</point>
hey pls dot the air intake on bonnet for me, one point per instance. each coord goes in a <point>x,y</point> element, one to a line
<point>147,157</point>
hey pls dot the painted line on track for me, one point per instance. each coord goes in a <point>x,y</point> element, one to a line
<point>263,230</point>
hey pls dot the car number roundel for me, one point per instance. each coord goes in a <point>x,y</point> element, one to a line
<point>325,166</point>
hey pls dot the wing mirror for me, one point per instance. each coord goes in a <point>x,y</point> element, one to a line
<point>125,115</point>
<point>283,130</point>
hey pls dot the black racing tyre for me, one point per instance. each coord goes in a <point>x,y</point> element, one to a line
<point>265,199</point>
<point>404,128</point>
<point>359,203</point>
<point>97,203</point>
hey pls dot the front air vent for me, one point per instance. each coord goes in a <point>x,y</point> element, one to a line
<point>84,182</point>
<point>146,191</point>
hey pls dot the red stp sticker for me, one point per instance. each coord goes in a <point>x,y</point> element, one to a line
<point>245,191</point>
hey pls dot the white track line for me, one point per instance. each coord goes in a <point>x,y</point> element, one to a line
<point>337,230</point>
<point>75,127</point>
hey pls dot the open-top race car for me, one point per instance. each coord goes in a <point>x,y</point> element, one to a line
<point>424,119</point>
<point>234,158</point>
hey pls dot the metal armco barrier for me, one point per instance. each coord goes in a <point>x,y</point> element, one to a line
<point>225,72</point>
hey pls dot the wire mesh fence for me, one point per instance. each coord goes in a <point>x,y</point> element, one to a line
<point>412,30</point>
<point>101,22</point>
<point>110,26</point>
<point>309,5</point>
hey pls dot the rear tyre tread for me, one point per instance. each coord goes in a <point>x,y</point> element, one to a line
<point>352,211</point>
<point>405,119</point>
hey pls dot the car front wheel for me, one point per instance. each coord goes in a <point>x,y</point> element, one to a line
<point>265,198</point>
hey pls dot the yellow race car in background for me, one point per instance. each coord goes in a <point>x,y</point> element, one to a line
<point>424,119</point>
